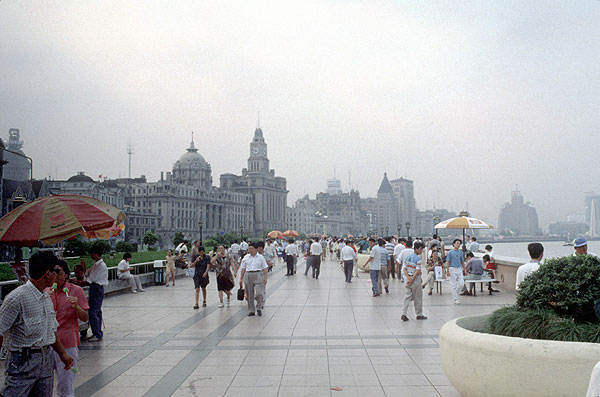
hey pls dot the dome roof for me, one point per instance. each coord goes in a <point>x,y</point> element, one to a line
<point>191,158</point>
<point>80,177</point>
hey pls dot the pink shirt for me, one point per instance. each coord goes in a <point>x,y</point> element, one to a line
<point>68,326</point>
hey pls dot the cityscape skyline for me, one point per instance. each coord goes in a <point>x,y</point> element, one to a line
<point>466,99</point>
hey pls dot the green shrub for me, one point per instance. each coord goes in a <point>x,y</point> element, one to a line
<point>76,247</point>
<point>569,286</point>
<point>542,324</point>
<point>124,246</point>
<point>103,244</point>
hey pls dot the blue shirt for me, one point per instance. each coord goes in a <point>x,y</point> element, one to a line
<point>412,263</point>
<point>455,258</point>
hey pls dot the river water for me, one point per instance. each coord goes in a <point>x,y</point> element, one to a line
<point>552,249</point>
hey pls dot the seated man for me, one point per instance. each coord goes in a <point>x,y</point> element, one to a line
<point>124,273</point>
<point>79,278</point>
<point>474,270</point>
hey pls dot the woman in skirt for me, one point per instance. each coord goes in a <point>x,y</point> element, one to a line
<point>225,268</point>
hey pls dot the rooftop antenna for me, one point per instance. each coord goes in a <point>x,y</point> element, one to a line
<point>258,123</point>
<point>129,153</point>
<point>349,181</point>
<point>333,172</point>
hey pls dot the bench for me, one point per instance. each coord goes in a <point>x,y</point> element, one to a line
<point>438,284</point>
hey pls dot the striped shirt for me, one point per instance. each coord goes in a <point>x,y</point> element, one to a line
<point>390,249</point>
<point>27,318</point>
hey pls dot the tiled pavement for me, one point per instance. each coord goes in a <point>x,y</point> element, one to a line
<point>314,335</point>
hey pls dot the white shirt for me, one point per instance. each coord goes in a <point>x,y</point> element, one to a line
<point>182,248</point>
<point>341,246</point>
<point>254,263</point>
<point>316,249</point>
<point>235,249</point>
<point>98,273</point>
<point>405,253</point>
<point>270,250</point>
<point>525,270</point>
<point>347,253</point>
<point>244,246</point>
<point>397,250</point>
<point>122,266</point>
<point>291,249</point>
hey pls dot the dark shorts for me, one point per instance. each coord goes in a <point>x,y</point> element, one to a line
<point>201,282</point>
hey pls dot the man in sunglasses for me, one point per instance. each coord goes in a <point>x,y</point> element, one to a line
<point>28,323</point>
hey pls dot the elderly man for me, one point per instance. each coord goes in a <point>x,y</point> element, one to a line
<point>581,248</point>
<point>97,276</point>
<point>28,321</point>
<point>254,275</point>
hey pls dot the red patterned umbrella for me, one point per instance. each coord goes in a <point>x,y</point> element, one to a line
<point>56,218</point>
<point>290,233</point>
<point>275,234</point>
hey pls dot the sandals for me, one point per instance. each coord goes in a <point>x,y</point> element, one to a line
<point>204,304</point>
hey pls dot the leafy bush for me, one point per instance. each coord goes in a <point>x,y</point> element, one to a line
<point>103,244</point>
<point>568,286</point>
<point>541,324</point>
<point>124,246</point>
<point>76,247</point>
<point>178,238</point>
<point>149,238</point>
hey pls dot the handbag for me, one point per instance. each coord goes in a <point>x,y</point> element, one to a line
<point>240,294</point>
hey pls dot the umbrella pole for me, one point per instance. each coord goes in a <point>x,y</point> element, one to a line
<point>464,245</point>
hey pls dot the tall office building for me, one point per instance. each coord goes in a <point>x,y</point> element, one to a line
<point>519,217</point>
<point>592,213</point>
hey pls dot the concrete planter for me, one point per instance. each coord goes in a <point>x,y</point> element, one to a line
<point>480,364</point>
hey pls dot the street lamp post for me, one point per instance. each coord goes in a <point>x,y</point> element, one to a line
<point>436,220</point>
<point>407,224</point>
<point>200,226</point>
<point>387,231</point>
<point>241,233</point>
<point>399,230</point>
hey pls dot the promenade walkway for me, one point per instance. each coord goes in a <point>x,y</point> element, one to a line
<point>314,335</point>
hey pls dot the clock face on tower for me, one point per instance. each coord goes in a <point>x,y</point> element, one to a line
<point>255,150</point>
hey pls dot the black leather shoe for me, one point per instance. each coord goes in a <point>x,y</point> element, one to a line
<point>404,318</point>
<point>259,312</point>
<point>251,314</point>
<point>421,318</point>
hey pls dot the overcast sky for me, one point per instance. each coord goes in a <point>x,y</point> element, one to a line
<point>468,99</point>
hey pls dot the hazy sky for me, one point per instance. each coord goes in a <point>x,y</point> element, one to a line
<point>467,99</point>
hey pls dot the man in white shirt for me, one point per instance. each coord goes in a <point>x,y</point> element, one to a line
<point>124,273</point>
<point>348,257</point>
<point>581,247</point>
<point>235,252</point>
<point>315,252</point>
<point>254,275</point>
<point>474,246</point>
<point>97,276</point>
<point>291,253</point>
<point>405,253</point>
<point>536,253</point>
<point>398,248</point>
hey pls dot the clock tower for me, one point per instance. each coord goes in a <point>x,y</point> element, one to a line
<point>258,161</point>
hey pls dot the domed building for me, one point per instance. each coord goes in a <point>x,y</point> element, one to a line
<point>193,169</point>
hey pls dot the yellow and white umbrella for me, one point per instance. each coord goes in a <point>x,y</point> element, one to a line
<point>463,222</point>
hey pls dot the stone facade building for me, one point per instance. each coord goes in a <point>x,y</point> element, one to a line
<point>268,192</point>
<point>519,217</point>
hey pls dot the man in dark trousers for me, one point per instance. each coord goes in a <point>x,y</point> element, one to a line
<point>28,321</point>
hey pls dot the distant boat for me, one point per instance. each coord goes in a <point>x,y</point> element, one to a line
<point>568,244</point>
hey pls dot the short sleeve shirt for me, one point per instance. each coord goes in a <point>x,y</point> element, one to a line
<point>455,258</point>
<point>412,263</point>
<point>375,263</point>
<point>201,265</point>
<point>254,263</point>
<point>27,318</point>
<point>68,326</point>
<point>122,266</point>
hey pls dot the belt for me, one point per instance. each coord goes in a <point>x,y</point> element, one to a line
<point>253,271</point>
<point>28,351</point>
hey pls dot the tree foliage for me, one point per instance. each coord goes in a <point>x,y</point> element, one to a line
<point>178,238</point>
<point>569,286</point>
<point>149,238</point>
<point>124,246</point>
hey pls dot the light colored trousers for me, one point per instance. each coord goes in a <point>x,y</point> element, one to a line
<point>414,292</point>
<point>457,281</point>
<point>383,275</point>
<point>430,279</point>
<point>255,287</point>
<point>64,379</point>
<point>134,282</point>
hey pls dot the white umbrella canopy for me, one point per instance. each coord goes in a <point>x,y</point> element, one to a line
<point>463,222</point>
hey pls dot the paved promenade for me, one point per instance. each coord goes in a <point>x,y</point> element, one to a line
<point>314,335</point>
